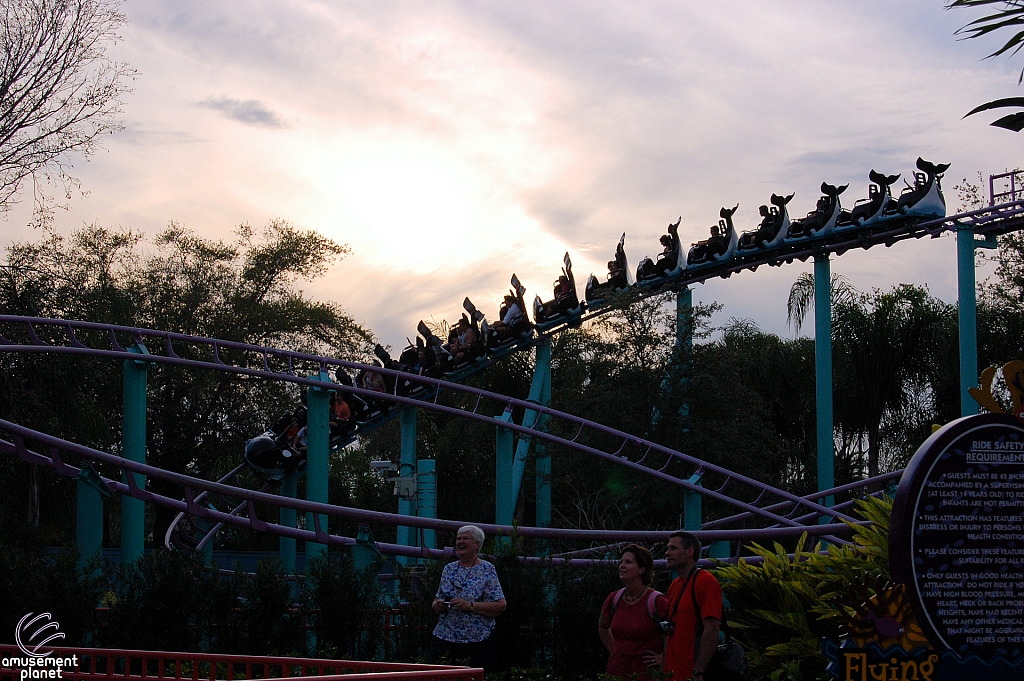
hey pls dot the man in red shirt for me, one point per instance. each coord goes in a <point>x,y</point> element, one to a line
<point>691,584</point>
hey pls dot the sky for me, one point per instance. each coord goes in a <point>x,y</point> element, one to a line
<point>450,144</point>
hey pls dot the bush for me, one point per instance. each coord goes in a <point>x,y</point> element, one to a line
<point>266,619</point>
<point>165,601</point>
<point>53,584</point>
<point>345,606</point>
<point>782,608</point>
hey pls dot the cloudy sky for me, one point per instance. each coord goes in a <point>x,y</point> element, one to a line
<point>452,143</point>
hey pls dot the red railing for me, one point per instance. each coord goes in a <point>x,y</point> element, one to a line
<point>95,664</point>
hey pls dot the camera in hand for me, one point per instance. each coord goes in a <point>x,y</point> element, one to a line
<point>447,605</point>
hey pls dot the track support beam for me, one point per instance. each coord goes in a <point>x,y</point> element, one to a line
<point>133,434</point>
<point>967,317</point>
<point>286,545</point>
<point>542,461</point>
<point>504,501</point>
<point>89,514</point>
<point>406,474</point>
<point>540,393</point>
<point>426,498</point>
<point>823,375</point>
<point>318,436</point>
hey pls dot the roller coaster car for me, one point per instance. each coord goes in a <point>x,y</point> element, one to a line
<point>398,385</point>
<point>722,243</point>
<point>426,361</point>
<point>825,216</point>
<point>619,277</point>
<point>774,226</point>
<point>502,334</point>
<point>925,197</point>
<point>452,355</point>
<point>361,411</point>
<point>270,453</point>
<point>670,261</point>
<point>877,206</point>
<point>565,305</point>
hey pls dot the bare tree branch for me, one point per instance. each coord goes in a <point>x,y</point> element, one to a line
<point>59,91</point>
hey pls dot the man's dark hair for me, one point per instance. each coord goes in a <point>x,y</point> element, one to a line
<point>689,541</point>
<point>643,559</point>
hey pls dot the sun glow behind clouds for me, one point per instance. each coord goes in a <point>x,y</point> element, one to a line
<point>417,214</point>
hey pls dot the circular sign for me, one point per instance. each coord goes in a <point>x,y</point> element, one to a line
<point>957,536</point>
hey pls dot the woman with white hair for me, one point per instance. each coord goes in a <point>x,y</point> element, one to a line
<point>468,600</point>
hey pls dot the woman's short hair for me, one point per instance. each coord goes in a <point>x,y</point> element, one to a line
<point>475,532</point>
<point>643,559</point>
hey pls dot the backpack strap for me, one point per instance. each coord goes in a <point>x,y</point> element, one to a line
<point>652,609</point>
<point>618,597</point>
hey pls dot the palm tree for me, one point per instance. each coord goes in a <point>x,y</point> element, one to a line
<point>885,347</point>
<point>1009,14</point>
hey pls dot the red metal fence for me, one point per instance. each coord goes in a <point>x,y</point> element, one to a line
<point>94,664</point>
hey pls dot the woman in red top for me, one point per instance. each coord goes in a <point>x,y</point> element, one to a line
<point>629,618</point>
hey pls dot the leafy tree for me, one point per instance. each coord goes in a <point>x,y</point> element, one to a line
<point>59,91</point>
<point>884,346</point>
<point>1008,15</point>
<point>243,291</point>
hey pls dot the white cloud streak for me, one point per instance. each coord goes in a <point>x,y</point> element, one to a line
<point>452,143</point>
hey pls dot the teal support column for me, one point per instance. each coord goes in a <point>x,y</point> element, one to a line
<point>317,459</point>
<point>133,511</point>
<point>426,497</point>
<point>541,382</point>
<point>286,545</point>
<point>406,474</point>
<point>823,375</point>
<point>684,339</point>
<point>720,550</point>
<point>504,502</point>
<point>967,309</point>
<point>365,553</point>
<point>542,468</point>
<point>89,514</point>
<point>692,505</point>
<point>684,323</point>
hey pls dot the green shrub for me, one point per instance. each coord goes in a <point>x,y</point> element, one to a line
<point>53,584</point>
<point>266,620</point>
<point>782,608</point>
<point>345,608</point>
<point>164,602</point>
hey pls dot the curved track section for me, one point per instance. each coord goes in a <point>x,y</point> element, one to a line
<point>748,496</point>
<point>193,488</point>
<point>986,222</point>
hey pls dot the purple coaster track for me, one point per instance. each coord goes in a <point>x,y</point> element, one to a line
<point>65,337</point>
<point>57,448</point>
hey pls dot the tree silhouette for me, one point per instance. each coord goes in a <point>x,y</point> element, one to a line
<point>59,91</point>
<point>884,345</point>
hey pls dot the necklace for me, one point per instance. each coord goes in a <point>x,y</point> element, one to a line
<point>633,599</point>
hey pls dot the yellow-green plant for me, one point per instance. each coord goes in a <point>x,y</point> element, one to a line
<point>782,607</point>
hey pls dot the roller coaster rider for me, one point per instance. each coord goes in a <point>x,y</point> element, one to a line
<point>467,345</point>
<point>511,315</point>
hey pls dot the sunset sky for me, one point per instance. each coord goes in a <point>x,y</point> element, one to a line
<point>453,143</point>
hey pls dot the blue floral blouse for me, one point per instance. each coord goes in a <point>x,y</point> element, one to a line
<point>477,583</point>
